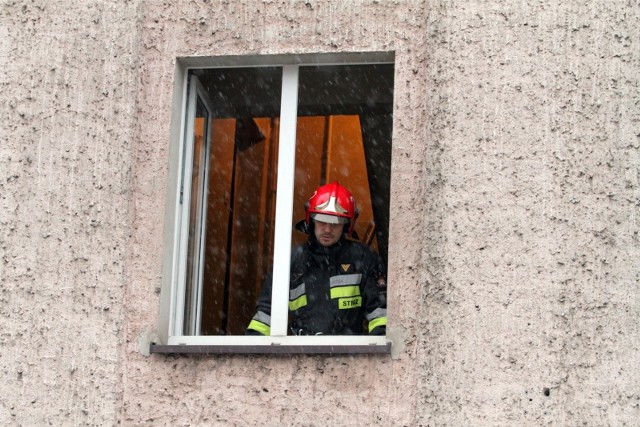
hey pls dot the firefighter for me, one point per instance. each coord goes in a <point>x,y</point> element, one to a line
<point>337,285</point>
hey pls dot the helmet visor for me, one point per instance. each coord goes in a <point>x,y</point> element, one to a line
<point>330,219</point>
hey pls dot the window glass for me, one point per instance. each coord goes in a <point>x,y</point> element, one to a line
<point>240,207</point>
<point>196,215</point>
<point>344,134</point>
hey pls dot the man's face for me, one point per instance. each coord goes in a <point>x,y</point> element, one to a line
<point>327,234</point>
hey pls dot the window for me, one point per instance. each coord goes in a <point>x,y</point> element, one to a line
<point>256,137</point>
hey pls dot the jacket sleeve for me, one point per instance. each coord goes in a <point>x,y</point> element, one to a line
<point>261,322</point>
<point>375,291</point>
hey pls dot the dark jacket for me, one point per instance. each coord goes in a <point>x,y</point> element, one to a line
<point>336,290</point>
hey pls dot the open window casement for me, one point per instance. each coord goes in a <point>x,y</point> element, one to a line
<point>255,141</point>
<point>192,212</point>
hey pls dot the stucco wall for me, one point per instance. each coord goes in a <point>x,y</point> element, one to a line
<point>67,113</point>
<point>532,249</point>
<point>514,243</point>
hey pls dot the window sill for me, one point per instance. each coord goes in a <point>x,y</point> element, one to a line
<point>275,345</point>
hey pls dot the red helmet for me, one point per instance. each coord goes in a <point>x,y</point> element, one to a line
<point>334,204</point>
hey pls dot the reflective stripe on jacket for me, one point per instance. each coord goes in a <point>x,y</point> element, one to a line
<point>337,290</point>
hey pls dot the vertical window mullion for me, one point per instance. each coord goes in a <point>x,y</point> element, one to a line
<point>284,200</point>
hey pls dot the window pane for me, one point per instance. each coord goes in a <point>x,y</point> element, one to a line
<point>343,134</point>
<point>192,296</point>
<point>238,237</point>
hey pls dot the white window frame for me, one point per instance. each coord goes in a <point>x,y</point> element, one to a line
<point>171,338</point>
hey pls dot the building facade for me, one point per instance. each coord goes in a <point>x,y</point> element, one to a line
<point>513,246</point>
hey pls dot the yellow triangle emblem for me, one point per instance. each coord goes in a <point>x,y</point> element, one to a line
<point>345,267</point>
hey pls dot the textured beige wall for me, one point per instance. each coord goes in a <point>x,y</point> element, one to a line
<point>68,80</point>
<point>515,248</point>
<point>531,249</point>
